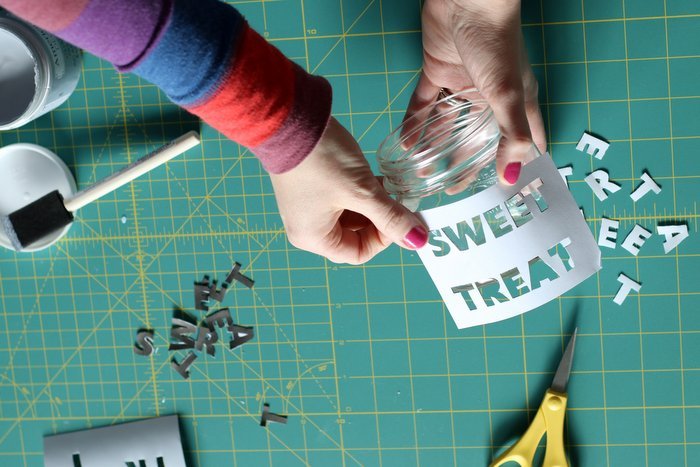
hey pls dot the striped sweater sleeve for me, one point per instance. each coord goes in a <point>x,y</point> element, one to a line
<point>207,59</point>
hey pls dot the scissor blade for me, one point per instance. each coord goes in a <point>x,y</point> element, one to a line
<point>561,377</point>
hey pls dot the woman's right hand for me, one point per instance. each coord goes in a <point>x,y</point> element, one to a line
<point>478,43</point>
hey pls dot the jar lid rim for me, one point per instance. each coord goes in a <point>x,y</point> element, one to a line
<point>405,166</point>
<point>457,102</point>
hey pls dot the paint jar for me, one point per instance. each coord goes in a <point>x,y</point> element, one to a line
<point>445,152</point>
<point>38,72</point>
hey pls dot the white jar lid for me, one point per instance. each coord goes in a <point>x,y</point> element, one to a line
<point>28,172</point>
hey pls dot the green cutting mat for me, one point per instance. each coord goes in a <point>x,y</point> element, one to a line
<point>365,360</point>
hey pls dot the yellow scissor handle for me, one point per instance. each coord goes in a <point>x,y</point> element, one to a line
<point>550,420</point>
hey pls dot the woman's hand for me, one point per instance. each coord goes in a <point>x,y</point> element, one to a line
<point>478,43</point>
<point>331,204</point>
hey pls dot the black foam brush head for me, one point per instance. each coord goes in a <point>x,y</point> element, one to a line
<point>37,220</point>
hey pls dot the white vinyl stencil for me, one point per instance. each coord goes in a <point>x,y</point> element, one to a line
<point>153,442</point>
<point>509,249</point>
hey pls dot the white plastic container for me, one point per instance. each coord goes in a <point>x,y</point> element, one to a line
<point>28,172</point>
<point>38,72</point>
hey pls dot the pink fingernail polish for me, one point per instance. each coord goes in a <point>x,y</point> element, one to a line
<point>416,238</point>
<point>512,172</point>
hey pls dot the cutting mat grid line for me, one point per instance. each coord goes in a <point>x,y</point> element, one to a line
<point>365,360</point>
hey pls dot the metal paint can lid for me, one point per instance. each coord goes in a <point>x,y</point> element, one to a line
<point>28,172</point>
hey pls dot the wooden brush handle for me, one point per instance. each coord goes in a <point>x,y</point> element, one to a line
<point>132,171</point>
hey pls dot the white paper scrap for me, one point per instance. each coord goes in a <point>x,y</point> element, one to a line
<point>565,173</point>
<point>627,286</point>
<point>509,249</point>
<point>648,184</point>
<point>596,146</point>
<point>151,442</point>
<point>607,236</point>
<point>635,239</point>
<point>674,234</point>
<point>599,181</point>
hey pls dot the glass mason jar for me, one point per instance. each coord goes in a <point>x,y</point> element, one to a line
<point>445,152</point>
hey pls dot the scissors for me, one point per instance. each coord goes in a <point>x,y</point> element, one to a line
<point>549,420</point>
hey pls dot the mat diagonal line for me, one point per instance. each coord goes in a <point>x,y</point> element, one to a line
<point>193,213</point>
<point>152,379</point>
<point>262,251</point>
<point>196,208</point>
<point>122,113</point>
<point>383,112</point>
<point>146,384</point>
<point>170,172</point>
<point>248,234</point>
<point>106,315</point>
<point>281,396</point>
<point>274,390</point>
<point>166,294</point>
<point>17,387</point>
<point>294,348</point>
<point>298,379</point>
<point>119,300</point>
<point>56,375</point>
<point>255,417</point>
<point>25,324</point>
<point>266,385</point>
<point>327,55</point>
<point>103,147</point>
<point>248,267</point>
<point>100,238</point>
<point>343,36</point>
<point>218,238</point>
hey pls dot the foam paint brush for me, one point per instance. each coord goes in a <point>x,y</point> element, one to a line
<point>52,212</point>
